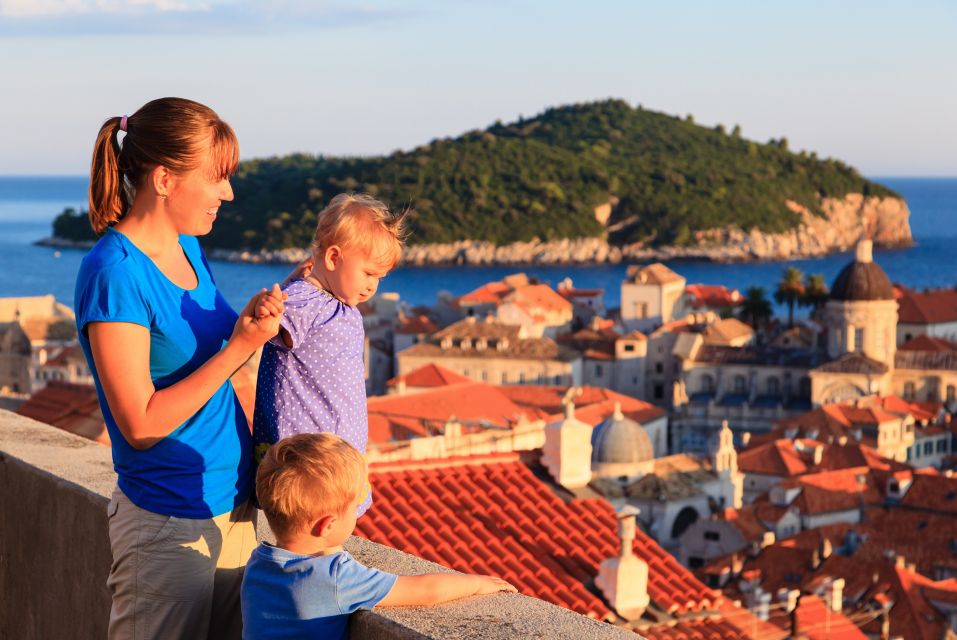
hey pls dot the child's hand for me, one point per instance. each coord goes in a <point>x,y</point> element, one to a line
<point>491,584</point>
<point>302,270</point>
<point>270,302</point>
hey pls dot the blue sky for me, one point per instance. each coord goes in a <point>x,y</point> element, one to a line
<point>871,83</point>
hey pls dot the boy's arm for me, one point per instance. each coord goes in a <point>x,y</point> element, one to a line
<point>435,588</point>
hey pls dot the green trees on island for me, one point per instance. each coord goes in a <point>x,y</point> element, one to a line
<point>664,177</point>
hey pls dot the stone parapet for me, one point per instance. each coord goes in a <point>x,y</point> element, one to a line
<point>55,556</point>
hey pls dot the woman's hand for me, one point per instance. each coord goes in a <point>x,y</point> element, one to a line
<point>259,320</point>
<point>302,270</point>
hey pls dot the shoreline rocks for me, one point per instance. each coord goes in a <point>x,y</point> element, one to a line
<point>845,221</point>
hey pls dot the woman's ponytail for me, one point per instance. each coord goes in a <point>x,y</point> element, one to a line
<point>108,198</point>
<point>175,133</point>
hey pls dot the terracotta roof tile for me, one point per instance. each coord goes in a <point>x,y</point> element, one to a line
<point>928,343</point>
<point>712,296</point>
<point>71,407</point>
<point>934,493</point>
<point>926,307</point>
<point>430,375</point>
<point>495,506</point>
<point>417,325</point>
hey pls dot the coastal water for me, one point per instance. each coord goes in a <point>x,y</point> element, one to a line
<point>28,206</point>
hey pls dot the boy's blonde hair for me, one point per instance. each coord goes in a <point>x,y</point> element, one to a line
<point>306,476</point>
<point>359,221</point>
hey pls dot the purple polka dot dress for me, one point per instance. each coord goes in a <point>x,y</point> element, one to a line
<point>318,384</point>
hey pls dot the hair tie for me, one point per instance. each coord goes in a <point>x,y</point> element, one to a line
<point>123,123</point>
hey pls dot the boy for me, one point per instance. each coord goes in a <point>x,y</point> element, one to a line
<point>309,487</point>
<point>312,375</point>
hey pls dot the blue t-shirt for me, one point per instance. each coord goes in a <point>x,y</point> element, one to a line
<point>290,595</point>
<point>204,467</point>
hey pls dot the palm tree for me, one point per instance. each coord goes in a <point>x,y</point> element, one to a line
<point>790,291</point>
<point>755,309</point>
<point>815,293</point>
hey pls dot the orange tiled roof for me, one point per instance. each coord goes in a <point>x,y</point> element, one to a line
<point>816,622</point>
<point>492,515</point>
<point>71,407</point>
<point>934,493</point>
<point>926,307</point>
<point>417,325</point>
<point>400,417</point>
<point>655,273</point>
<point>830,491</point>
<point>713,296</point>
<point>592,406</point>
<point>729,622</point>
<point>430,375</point>
<point>777,458</point>
<point>539,296</point>
<point>928,343</point>
<point>491,293</point>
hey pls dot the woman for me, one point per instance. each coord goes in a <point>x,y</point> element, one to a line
<point>162,343</point>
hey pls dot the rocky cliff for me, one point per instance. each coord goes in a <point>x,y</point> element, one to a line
<point>844,222</point>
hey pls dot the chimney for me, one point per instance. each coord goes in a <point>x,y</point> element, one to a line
<point>826,548</point>
<point>567,449</point>
<point>745,439</point>
<point>624,580</point>
<point>835,595</point>
<point>818,454</point>
<point>900,562</point>
<point>400,387</point>
<point>865,251</point>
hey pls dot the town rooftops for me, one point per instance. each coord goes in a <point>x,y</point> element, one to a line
<point>853,363</point>
<point>712,296</point>
<point>933,306</point>
<point>429,375</point>
<point>71,407</point>
<point>416,325</point>
<point>925,342</point>
<point>655,273</point>
<point>492,515</point>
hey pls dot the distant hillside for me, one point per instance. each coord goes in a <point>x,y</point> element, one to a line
<point>655,178</point>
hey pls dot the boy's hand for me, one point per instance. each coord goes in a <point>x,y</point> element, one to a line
<point>491,584</point>
<point>270,302</point>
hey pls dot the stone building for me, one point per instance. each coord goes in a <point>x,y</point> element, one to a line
<point>489,351</point>
<point>651,296</point>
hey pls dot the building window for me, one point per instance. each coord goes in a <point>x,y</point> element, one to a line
<point>659,391</point>
<point>774,386</point>
<point>598,371</point>
<point>484,376</point>
<point>504,377</point>
<point>521,378</point>
<point>909,391</point>
<point>629,347</point>
<point>659,367</point>
<point>951,393</point>
<point>465,372</point>
<point>707,384</point>
<point>928,448</point>
<point>714,536</point>
<point>740,384</point>
<point>694,562</point>
<point>942,445</point>
<point>558,379</point>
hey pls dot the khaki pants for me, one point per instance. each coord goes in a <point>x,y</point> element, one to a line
<point>177,577</point>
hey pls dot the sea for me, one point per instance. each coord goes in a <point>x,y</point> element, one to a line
<point>28,206</point>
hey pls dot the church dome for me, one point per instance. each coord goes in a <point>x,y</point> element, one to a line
<point>620,440</point>
<point>862,279</point>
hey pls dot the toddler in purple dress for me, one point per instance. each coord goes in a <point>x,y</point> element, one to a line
<point>312,375</point>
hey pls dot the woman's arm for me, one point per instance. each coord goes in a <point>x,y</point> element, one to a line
<point>121,353</point>
<point>435,588</point>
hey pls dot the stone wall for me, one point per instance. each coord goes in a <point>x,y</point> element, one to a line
<point>55,556</point>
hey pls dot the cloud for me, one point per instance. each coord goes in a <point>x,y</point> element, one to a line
<point>148,17</point>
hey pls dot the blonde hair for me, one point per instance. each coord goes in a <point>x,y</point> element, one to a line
<point>175,133</point>
<point>305,476</point>
<point>359,221</point>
